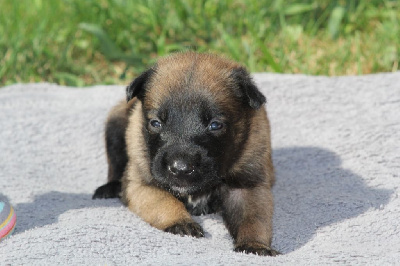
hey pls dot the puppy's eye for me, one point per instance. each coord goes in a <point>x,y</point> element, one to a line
<point>215,125</point>
<point>155,123</point>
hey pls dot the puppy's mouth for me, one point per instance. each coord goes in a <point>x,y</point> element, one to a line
<point>182,187</point>
<point>181,190</point>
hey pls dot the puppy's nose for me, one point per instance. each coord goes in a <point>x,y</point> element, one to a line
<point>180,167</point>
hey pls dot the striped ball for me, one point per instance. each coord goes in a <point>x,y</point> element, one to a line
<point>7,220</point>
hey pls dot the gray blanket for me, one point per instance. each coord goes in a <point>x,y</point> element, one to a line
<point>336,150</point>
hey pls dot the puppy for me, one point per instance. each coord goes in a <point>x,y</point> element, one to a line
<point>194,138</point>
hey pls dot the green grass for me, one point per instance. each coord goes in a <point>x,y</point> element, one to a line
<point>84,42</point>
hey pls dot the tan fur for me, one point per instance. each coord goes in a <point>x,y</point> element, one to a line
<point>259,142</point>
<point>256,226</point>
<point>207,70</point>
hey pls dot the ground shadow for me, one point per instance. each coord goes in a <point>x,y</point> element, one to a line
<point>46,208</point>
<point>4,198</point>
<point>312,190</point>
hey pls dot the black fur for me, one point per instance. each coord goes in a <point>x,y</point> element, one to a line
<point>137,87</point>
<point>248,89</point>
<point>110,190</point>
<point>257,251</point>
<point>116,147</point>
<point>203,203</point>
<point>185,229</point>
<point>184,136</point>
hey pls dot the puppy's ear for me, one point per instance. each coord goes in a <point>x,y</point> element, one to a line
<point>137,87</point>
<point>248,90</point>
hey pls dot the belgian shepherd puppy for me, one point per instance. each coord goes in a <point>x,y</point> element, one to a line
<point>194,138</point>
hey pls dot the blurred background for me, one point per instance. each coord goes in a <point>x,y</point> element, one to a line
<point>86,42</point>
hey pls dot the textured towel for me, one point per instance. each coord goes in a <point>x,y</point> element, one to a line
<point>336,150</point>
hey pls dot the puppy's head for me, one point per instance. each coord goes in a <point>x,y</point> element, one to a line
<point>196,113</point>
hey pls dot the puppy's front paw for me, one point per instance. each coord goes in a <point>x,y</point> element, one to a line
<point>110,190</point>
<point>186,229</point>
<point>256,249</point>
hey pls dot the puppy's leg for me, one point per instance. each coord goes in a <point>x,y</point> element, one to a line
<point>248,216</point>
<point>160,209</point>
<point>116,152</point>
